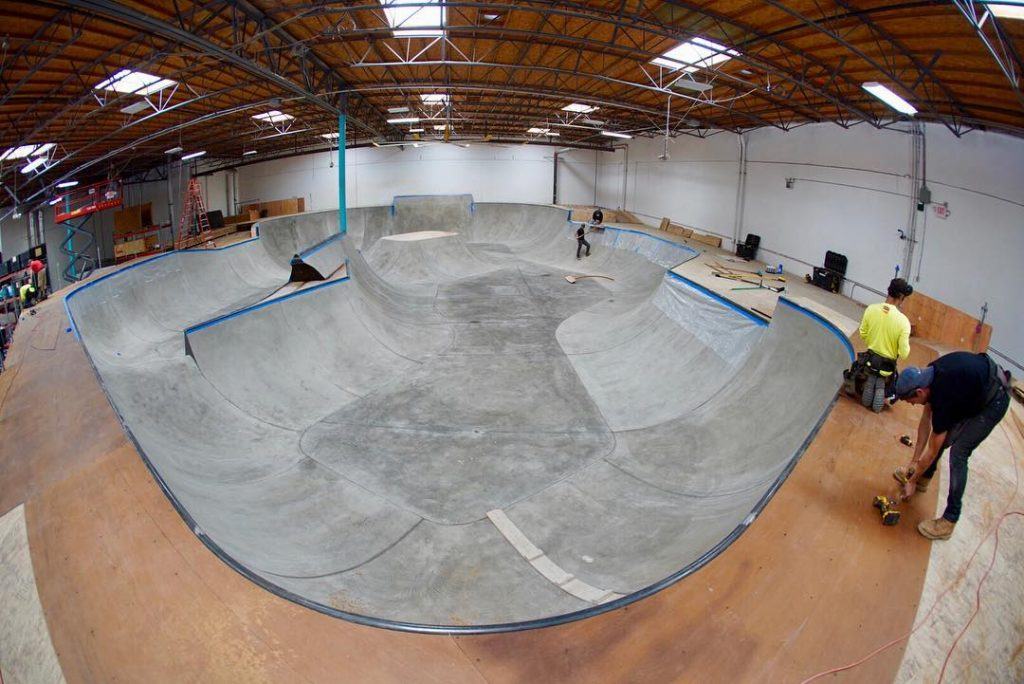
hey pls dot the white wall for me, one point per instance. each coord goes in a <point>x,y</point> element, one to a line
<point>852,193</point>
<point>491,173</point>
<point>695,186</point>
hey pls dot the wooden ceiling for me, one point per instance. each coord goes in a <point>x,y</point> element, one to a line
<point>504,66</point>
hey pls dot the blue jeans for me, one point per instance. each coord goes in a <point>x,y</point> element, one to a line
<point>961,441</point>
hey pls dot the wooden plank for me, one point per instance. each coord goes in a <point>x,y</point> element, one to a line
<point>933,320</point>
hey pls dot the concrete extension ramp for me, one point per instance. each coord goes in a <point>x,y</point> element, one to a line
<point>456,436</point>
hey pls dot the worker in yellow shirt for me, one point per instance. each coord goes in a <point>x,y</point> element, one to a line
<point>886,332</point>
<point>28,294</point>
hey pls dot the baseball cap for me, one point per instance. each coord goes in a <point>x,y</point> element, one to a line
<point>913,378</point>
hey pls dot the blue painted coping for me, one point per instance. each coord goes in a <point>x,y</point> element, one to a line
<point>824,323</point>
<point>137,264</point>
<point>262,305</point>
<point>320,245</point>
<point>472,202</point>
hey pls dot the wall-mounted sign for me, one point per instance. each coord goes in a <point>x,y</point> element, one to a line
<point>941,210</point>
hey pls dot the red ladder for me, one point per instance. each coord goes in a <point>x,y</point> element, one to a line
<point>194,222</point>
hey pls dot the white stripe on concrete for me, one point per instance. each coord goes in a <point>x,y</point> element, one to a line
<point>547,567</point>
<point>514,535</point>
<point>26,651</point>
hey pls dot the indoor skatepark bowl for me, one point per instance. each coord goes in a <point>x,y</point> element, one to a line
<point>453,437</point>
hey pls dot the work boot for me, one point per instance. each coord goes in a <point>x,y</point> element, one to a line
<point>939,529</point>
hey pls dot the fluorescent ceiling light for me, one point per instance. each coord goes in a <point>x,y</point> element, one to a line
<point>192,155</point>
<point>614,134</point>
<point>174,150</point>
<point>1007,10</point>
<point>25,150</point>
<point>397,110</point>
<point>592,122</point>
<point>55,200</point>
<point>248,152</point>
<point>134,82</point>
<point>273,116</point>
<point>404,119</point>
<point>687,84</point>
<point>696,53</point>
<point>135,108</point>
<point>67,184</point>
<point>490,17</point>
<point>434,98</point>
<point>539,131</point>
<point>283,133</point>
<point>415,130</point>
<point>440,127</point>
<point>330,136</point>
<point>424,19</point>
<point>579,108</point>
<point>33,165</point>
<point>890,98</point>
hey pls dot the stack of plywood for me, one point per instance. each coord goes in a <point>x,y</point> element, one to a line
<point>933,320</point>
<point>689,233</point>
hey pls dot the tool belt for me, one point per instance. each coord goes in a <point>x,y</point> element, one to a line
<point>998,381</point>
<point>879,363</point>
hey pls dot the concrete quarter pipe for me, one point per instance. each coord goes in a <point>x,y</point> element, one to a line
<point>454,437</point>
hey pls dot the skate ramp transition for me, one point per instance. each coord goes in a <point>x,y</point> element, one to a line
<point>454,438</point>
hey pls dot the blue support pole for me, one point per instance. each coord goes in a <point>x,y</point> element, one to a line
<point>342,212</point>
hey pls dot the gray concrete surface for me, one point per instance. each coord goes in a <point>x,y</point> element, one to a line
<point>347,443</point>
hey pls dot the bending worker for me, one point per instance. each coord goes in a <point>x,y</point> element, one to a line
<point>28,294</point>
<point>886,332</point>
<point>964,396</point>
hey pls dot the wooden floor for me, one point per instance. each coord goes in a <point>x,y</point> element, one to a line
<point>130,594</point>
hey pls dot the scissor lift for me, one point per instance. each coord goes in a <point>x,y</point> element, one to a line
<point>74,211</point>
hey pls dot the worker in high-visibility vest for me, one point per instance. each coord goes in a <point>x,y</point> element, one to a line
<point>28,294</point>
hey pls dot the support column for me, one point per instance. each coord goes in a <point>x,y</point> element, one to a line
<point>342,211</point>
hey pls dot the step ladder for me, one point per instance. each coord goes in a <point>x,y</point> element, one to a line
<point>194,223</point>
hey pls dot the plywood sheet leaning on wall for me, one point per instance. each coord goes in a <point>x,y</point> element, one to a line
<point>933,320</point>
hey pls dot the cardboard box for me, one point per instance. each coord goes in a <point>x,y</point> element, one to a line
<point>133,219</point>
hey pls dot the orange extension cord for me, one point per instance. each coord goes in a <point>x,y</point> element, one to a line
<point>963,573</point>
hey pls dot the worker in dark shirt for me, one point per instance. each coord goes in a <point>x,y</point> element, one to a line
<point>581,241</point>
<point>597,217</point>
<point>964,397</point>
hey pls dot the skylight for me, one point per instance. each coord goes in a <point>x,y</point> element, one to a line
<point>537,130</point>
<point>434,98</point>
<point>579,108</point>
<point>273,116</point>
<point>135,82</point>
<point>417,21</point>
<point>25,150</point>
<point>1007,10</point>
<point>695,54</point>
<point>329,136</point>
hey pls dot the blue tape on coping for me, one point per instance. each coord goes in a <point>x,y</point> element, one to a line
<point>261,305</point>
<point>824,323</point>
<point>137,264</point>
<point>317,247</point>
<point>719,298</point>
